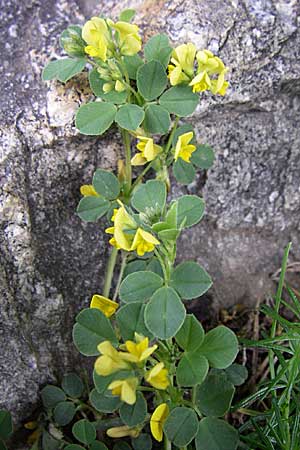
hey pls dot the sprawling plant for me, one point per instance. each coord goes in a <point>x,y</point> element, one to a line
<point>156,367</point>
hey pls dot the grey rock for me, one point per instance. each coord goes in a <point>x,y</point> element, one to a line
<point>51,262</point>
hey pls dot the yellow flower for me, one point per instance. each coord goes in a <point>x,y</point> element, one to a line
<point>148,150</point>
<point>183,149</point>
<point>107,306</point>
<point>130,41</point>
<point>122,222</point>
<point>88,190</point>
<point>139,351</point>
<point>158,376</point>
<point>96,35</point>
<point>182,67</point>
<point>201,82</point>
<point>157,420</point>
<point>209,66</point>
<point>110,361</point>
<point>119,86</point>
<point>143,242</point>
<point>125,430</point>
<point>125,389</point>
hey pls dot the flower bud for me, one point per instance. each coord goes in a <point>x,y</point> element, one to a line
<point>72,42</point>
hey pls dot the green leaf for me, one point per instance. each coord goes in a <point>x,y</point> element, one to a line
<point>106,184</point>
<point>92,327</point>
<point>191,208</point>
<point>95,118</point>
<point>132,64</point>
<point>84,431</point>
<point>97,445</point>
<point>192,369</point>
<point>74,447</point>
<point>203,157</point>
<point>48,442</point>
<point>215,394</point>
<point>142,442</point>
<point>157,119</point>
<point>183,172</point>
<point>216,434</point>
<point>139,286</point>
<point>191,334</point>
<point>155,266</point>
<point>158,48</point>
<point>64,413</point>
<point>237,374</point>
<point>96,84</point>
<point>103,403</point>
<point>63,69</point>
<point>165,313</point>
<point>149,196</point>
<point>51,395</point>
<point>127,15</point>
<point>91,208</point>
<point>130,117</point>
<point>179,100</point>
<point>181,426</point>
<point>130,319</point>
<point>133,415</point>
<point>6,426</point>
<point>151,80</point>
<point>137,265</point>
<point>168,235</point>
<point>220,346</point>
<point>190,280</point>
<point>122,445</point>
<point>72,385</point>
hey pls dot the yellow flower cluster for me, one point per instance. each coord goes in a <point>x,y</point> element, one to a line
<point>97,33</point>
<point>113,360</point>
<point>210,71</point>
<point>127,236</point>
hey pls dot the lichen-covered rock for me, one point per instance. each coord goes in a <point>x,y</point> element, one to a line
<point>51,262</point>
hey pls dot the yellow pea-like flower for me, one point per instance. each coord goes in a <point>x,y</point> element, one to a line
<point>183,148</point>
<point>125,389</point>
<point>201,82</point>
<point>110,360</point>
<point>157,420</point>
<point>148,149</point>
<point>96,35</point>
<point>107,306</point>
<point>182,68</point>
<point>139,351</point>
<point>125,430</point>
<point>122,222</point>
<point>158,376</point>
<point>130,41</point>
<point>88,190</point>
<point>209,67</point>
<point>143,242</point>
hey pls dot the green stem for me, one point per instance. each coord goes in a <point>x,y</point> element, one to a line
<point>169,143</point>
<point>141,176</point>
<point>167,444</point>
<point>162,266</point>
<point>128,175</point>
<point>277,306</point>
<point>122,268</point>
<point>110,271</point>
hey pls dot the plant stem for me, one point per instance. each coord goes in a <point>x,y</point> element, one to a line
<point>277,306</point>
<point>169,143</point>
<point>167,444</point>
<point>128,175</point>
<point>140,177</point>
<point>122,268</point>
<point>162,266</point>
<point>110,271</point>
